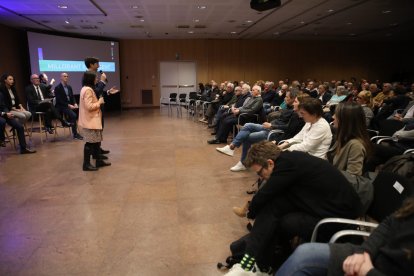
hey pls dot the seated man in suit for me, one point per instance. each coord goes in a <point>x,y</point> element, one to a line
<point>39,100</point>
<point>7,117</point>
<point>252,105</point>
<point>66,104</point>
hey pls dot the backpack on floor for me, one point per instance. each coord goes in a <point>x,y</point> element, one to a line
<point>402,165</point>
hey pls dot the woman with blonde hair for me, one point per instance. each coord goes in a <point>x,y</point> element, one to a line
<point>364,99</point>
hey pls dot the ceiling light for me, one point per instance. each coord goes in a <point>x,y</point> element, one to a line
<point>302,22</point>
<point>349,23</point>
<point>67,21</point>
<point>134,7</point>
<point>196,20</point>
<point>201,7</point>
<point>190,32</point>
<point>62,6</point>
<point>385,12</point>
<point>331,10</point>
<point>142,20</point>
<point>233,32</point>
<point>276,33</point>
<point>248,21</point>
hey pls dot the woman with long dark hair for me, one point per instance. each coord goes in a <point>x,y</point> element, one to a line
<point>90,121</point>
<point>352,144</point>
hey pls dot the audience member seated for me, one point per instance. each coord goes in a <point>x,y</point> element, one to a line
<point>39,100</point>
<point>385,94</point>
<point>7,117</point>
<point>252,133</point>
<point>324,95</point>
<point>336,98</point>
<point>268,95</point>
<point>311,89</point>
<point>387,251</point>
<point>11,99</point>
<point>66,104</point>
<point>365,100</point>
<point>252,105</point>
<point>298,193</point>
<point>352,143</point>
<point>214,94</point>
<point>224,109</point>
<point>315,137</point>
<point>406,116</point>
<point>227,98</point>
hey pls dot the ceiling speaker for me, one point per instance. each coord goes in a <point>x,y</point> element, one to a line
<point>264,5</point>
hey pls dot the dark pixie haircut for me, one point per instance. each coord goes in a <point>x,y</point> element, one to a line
<point>90,60</point>
<point>312,106</point>
<point>260,152</point>
<point>88,79</point>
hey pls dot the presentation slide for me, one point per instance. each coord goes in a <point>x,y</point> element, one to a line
<point>54,55</point>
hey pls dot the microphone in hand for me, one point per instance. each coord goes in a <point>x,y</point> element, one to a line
<point>103,75</point>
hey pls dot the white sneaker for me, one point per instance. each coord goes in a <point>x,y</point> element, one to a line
<point>238,167</point>
<point>226,150</point>
<point>237,270</point>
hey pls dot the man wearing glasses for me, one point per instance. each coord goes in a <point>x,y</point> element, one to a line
<point>300,190</point>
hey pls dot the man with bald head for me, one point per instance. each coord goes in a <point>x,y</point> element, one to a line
<point>40,100</point>
<point>66,104</point>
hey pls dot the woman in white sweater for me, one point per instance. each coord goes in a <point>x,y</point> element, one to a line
<point>315,137</point>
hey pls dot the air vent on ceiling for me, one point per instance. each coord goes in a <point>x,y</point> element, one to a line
<point>88,27</point>
<point>200,26</point>
<point>183,26</point>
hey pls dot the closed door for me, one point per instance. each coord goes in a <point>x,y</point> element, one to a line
<point>177,77</point>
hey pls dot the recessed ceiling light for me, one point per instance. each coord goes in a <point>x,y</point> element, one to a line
<point>190,32</point>
<point>248,21</point>
<point>201,7</point>
<point>387,11</point>
<point>302,22</point>
<point>62,6</point>
<point>196,20</point>
<point>134,7</point>
<point>331,10</point>
<point>142,20</point>
<point>233,32</point>
<point>67,22</point>
<point>349,23</point>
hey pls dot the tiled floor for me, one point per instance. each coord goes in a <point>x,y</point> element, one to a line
<point>162,208</point>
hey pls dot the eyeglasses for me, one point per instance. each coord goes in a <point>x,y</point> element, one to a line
<point>259,173</point>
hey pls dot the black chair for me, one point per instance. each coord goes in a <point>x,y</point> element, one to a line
<point>390,190</point>
<point>182,101</point>
<point>172,100</point>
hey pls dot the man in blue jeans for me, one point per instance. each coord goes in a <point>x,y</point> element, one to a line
<point>252,133</point>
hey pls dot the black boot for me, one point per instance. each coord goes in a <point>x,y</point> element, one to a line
<point>99,161</point>
<point>87,151</point>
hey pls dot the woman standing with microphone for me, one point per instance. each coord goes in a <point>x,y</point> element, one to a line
<point>90,121</point>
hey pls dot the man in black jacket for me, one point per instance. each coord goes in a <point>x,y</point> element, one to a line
<point>300,190</point>
<point>7,117</point>
<point>66,104</point>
